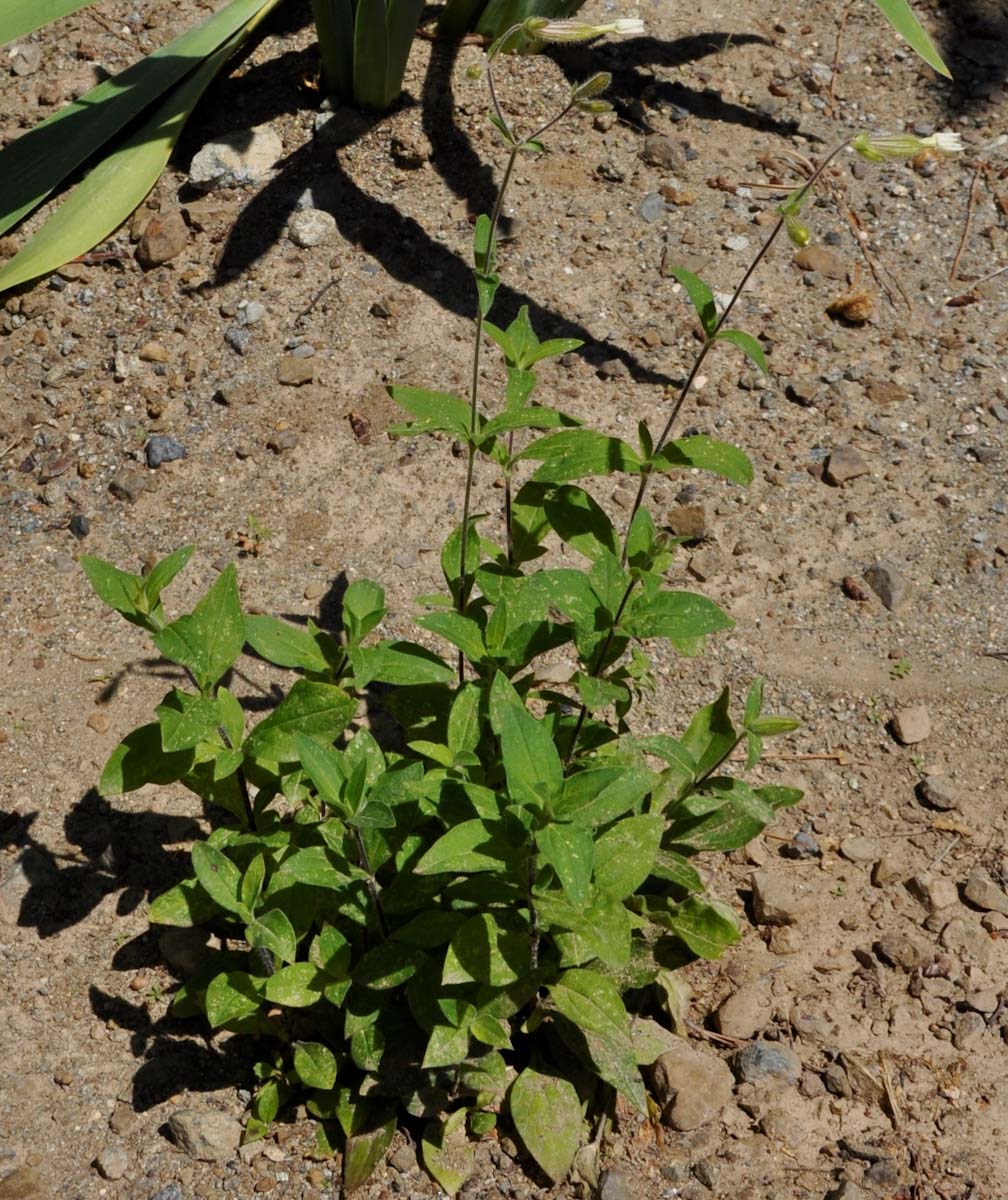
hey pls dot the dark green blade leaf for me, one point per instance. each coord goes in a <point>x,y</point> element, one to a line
<point>779,797</point>
<point>902,19</point>
<point>708,927</point>
<point>447,1152</point>
<point>434,412</point>
<point>25,16</point>
<point>399,663</point>
<point>210,638</point>
<point>320,710</point>
<point>364,1151</point>
<point>186,720</point>
<point>700,296</point>
<point>184,905</point>
<point>727,815</point>
<point>481,952</point>
<point>370,55</point>
<point>284,644</point>
<point>706,454</point>
<point>401,20</point>
<point>580,521</point>
<point>230,997</point>
<point>546,1112</point>
<point>625,854</point>
<point>568,850</point>
<point>138,759</point>
<point>531,760</point>
<point>524,418</point>
<point>575,453</point>
<point>39,160</point>
<point>677,616</point>
<point>296,986</point>
<point>749,346</point>
<point>711,736</point>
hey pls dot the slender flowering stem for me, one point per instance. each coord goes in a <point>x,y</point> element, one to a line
<point>793,204</point>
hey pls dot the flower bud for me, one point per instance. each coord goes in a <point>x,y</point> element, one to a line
<point>591,87</point>
<point>596,107</point>
<point>579,31</point>
<point>796,231</point>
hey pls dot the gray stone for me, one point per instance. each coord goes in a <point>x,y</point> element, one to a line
<point>112,1162</point>
<point>310,227</point>
<point>25,58</point>
<point>939,792</point>
<point>205,1135</point>
<point>691,1087</point>
<point>886,582</point>
<point>982,892</point>
<point>238,338</point>
<point>128,485</point>
<point>242,157</point>
<point>614,1184</point>
<point>845,463</point>
<point>778,900</point>
<point>652,207</point>
<point>821,261</point>
<point>295,371</point>
<point>171,1191</point>
<point>767,1060</point>
<point>286,439</point>
<point>737,243</point>
<point>250,312</point>
<point>161,449</point>
<point>912,725</point>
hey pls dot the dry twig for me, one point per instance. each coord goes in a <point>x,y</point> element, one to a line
<point>970,206</point>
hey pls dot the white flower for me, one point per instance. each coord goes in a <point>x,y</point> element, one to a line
<point>945,142</point>
<point>628,27</point>
<point>877,147</point>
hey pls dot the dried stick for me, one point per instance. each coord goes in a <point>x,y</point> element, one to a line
<point>970,206</point>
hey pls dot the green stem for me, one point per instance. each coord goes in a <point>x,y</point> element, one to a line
<point>684,393</point>
<point>534,931</point>
<point>705,349</point>
<point>372,885</point>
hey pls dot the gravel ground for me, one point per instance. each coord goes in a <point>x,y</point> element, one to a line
<point>240,337</point>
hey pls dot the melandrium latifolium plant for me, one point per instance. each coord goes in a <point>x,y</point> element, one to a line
<point>480,924</point>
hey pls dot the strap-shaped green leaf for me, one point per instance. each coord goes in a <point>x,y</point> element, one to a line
<point>899,14</point>
<point>701,297</point>
<point>36,163</point>
<point>24,16</point>
<point>749,346</point>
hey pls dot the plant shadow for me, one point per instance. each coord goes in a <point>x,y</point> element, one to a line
<point>405,249</point>
<point>975,47</point>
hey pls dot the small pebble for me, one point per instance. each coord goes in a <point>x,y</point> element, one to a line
<point>161,449</point>
<point>112,1162</point>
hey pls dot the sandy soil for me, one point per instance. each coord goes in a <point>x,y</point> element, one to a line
<point>890,983</point>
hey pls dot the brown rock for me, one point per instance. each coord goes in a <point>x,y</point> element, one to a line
<point>23,1184</point>
<point>98,722</point>
<point>982,892</point>
<point>689,521</point>
<point>778,900</point>
<point>818,258</point>
<point>128,485</point>
<point>659,150</point>
<point>164,238</point>
<point>690,1086</point>
<point>884,391</point>
<point>845,463</point>
<point>746,1012</point>
<point>153,352</point>
<point>295,371</point>
<point>912,725</point>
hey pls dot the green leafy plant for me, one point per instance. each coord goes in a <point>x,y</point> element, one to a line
<point>364,46</point>
<point>481,922</point>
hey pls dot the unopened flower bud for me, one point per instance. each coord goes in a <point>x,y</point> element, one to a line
<point>596,107</point>
<point>592,87</point>
<point>579,31</point>
<point>796,231</point>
